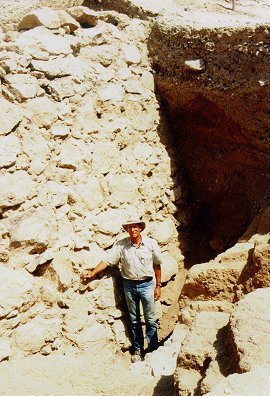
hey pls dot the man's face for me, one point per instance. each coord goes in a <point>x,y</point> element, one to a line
<point>134,230</point>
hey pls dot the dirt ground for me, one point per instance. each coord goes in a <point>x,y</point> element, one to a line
<point>89,373</point>
<point>100,372</point>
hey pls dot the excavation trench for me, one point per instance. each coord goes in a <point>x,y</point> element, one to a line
<point>218,131</point>
<point>224,177</point>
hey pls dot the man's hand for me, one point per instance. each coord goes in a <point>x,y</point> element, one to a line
<point>91,274</point>
<point>87,275</point>
<point>157,293</point>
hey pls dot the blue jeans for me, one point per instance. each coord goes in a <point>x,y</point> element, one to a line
<point>136,291</point>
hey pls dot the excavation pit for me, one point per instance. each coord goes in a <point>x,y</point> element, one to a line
<point>214,86</point>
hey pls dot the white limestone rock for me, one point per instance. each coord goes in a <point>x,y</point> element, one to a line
<point>52,19</point>
<point>256,382</point>
<point>32,229</point>
<point>5,348</point>
<point>77,314</point>
<point>169,268</point>
<point>114,92</point>
<point>10,148</point>
<point>10,115</point>
<point>60,130</point>
<point>85,16</point>
<point>161,363</point>
<point>148,81</point>
<point>52,194</point>
<point>86,120</point>
<point>131,54</point>
<point>134,86</point>
<point>88,259</point>
<point>23,86</point>
<point>119,328</point>
<point>93,36</point>
<point>250,326</point>
<point>105,295</point>
<point>142,151</point>
<point>124,73</point>
<point>32,336</point>
<point>105,54</point>
<point>40,42</point>
<point>42,111</point>
<point>62,266</point>
<point>36,150</point>
<point>61,67</point>
<point>102,73</point>
<point>88,194</point>
<point>65,87</point>
<point>93,333</point>
<point>140,119</point>
<point>72,154</point>
<point>196,65</point>
<point>162,231</point>
<point>109,222</point>
<point>15,188</point>
<point>25,293</point>
<point>104,156</point>
<point>123,188</point>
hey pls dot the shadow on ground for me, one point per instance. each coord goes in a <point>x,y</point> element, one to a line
<point>164,387</point>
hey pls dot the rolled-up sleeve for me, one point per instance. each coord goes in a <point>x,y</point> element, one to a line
<point>113,254</point>
<point>157,256</point>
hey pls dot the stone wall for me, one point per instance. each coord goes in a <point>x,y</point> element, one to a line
<point>80,152</point>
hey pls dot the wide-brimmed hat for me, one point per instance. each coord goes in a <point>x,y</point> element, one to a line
<point>134,221</point>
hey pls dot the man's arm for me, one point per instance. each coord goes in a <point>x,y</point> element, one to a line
<point>91,274</point>
<point>157,294</point>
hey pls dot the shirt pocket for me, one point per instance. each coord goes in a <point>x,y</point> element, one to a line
<point>146,258</point>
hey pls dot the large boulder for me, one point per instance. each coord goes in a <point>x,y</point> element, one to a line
<point>237,271</point>
<point>203,344</point>
<point>83,15</point>
<point>32,230</point>
<point>250,330</point>
<point>256,382</point>
<point>52,19</point>
<point>40,42</point>
<point>221,344</point>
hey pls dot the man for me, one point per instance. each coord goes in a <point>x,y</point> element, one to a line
<point>140,265</point>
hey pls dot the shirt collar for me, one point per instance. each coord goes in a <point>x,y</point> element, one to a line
<point>130,243</point>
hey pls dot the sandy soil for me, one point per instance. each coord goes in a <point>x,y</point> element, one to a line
<point>88,373</point>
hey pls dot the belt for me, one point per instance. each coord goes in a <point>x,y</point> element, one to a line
<point>138,281</point>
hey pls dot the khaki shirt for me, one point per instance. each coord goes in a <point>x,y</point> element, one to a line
<point>136,262</point>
